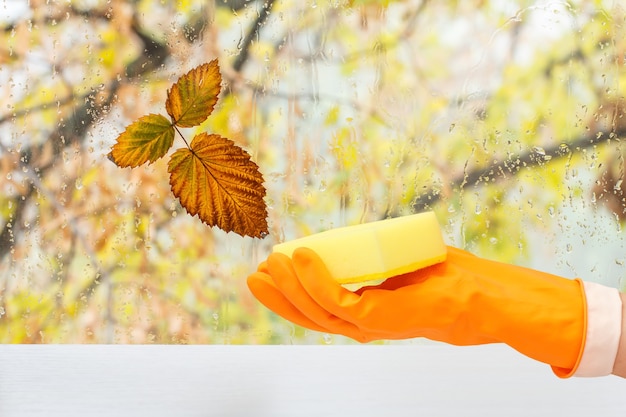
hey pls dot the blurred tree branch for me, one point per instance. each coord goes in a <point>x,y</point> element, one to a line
<point>506,168</point>
<point>252,34</point>
<point>83,114</point>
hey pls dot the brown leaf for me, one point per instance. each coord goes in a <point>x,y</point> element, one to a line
<point>192,98</point>
<point>146,139</point>
<point>216,180</point>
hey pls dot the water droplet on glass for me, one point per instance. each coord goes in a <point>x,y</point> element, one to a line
<point>478,209</point>
<point>2,312</point>
<point>78,184</point>
<point>493,240</point>
<point>328,339</point>
<point>539,150</point>
<point>551,211</point>
<point>569,248</point>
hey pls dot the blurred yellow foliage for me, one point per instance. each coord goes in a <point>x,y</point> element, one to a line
<point>506,121</point>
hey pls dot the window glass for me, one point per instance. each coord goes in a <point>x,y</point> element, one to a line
<point>504,118</point>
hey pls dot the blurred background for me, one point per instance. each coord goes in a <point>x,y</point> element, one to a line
<point>505,118</point>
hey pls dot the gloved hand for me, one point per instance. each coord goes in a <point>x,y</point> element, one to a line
<point>465,300</point>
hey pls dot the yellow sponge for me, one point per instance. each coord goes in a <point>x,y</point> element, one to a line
<point>378,250</point>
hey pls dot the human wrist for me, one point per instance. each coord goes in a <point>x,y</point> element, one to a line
<point>619,367</point>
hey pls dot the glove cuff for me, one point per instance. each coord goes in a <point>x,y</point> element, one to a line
<point>602,329</point>
<point>604,324</point>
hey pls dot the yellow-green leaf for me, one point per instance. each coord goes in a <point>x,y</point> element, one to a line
<point>192,98</point>
<point>216,180</point>
<point>146,139</point>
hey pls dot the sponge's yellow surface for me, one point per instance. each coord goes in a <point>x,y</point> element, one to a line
<point>377,250</point>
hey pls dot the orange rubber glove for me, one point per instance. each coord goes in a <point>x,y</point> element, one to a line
<point>465,300</point>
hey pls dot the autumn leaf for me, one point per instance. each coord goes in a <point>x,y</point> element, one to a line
<point>192,98</point>
<point>212,177</point>
<point>146,139</point>
<point>216,180</point>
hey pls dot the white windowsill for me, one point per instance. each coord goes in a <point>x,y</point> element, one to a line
<point>412,380</point>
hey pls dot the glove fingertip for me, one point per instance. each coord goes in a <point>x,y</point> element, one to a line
<point>264,289</point>
<point>258,283</point>
<point>304,254</point>
<point>263,267</point>
<point>305,259</point>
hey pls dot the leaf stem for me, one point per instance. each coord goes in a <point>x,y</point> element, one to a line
<point>181,135</point>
